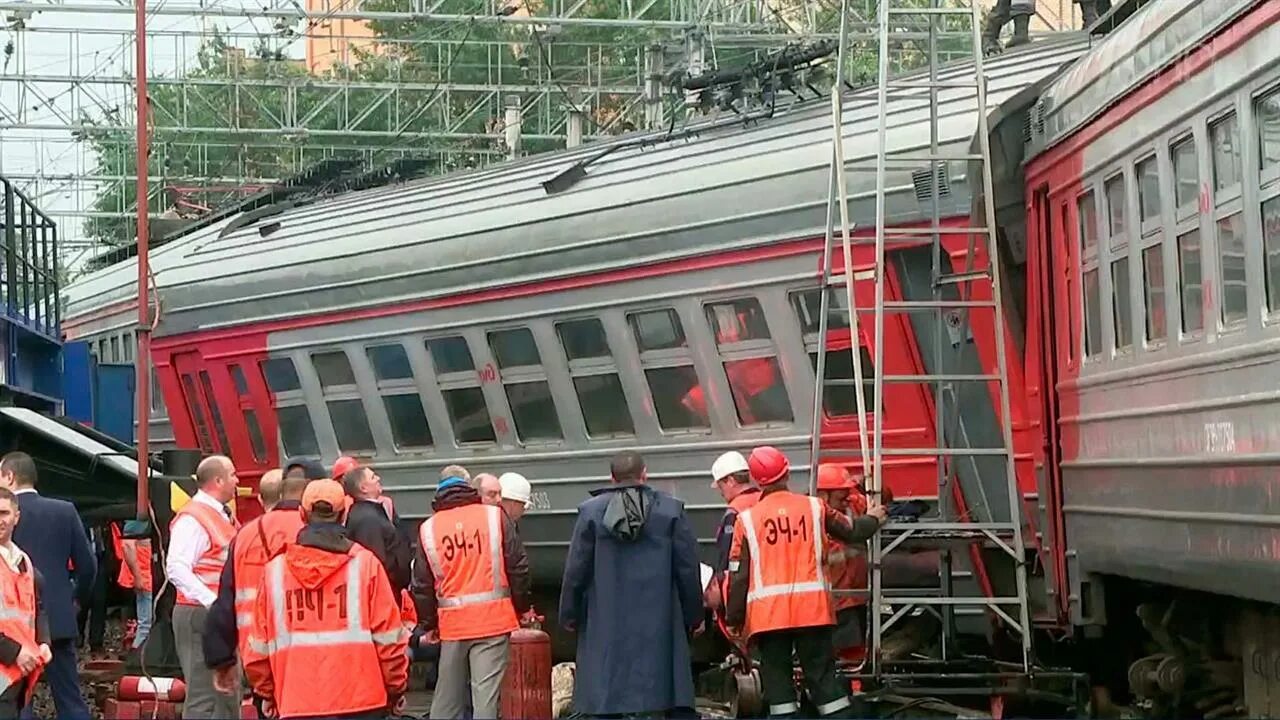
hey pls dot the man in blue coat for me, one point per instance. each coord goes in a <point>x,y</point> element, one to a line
<point>633,592</point>
<point>51,533</point>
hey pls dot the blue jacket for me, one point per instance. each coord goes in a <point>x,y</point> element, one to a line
<point>633,591</point>
<point>51,533</point>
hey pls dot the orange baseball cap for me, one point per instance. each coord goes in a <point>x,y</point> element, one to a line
<point>325,491</point>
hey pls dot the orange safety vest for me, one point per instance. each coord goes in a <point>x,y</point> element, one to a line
<point>464,548</point>
<point>257,544</point>
<point>787,587</point>
<point>221,530</point>
<point>18,621</point>
<point>847,570</point>
<point>328,650</point>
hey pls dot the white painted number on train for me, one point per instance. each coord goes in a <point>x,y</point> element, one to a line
<point>539,501</point>
<point>1219,437</point>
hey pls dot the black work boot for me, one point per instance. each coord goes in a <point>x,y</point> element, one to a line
<point>1021,30</point>
<point>991,35</point>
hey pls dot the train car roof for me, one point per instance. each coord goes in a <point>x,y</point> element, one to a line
<point>1124,59</point>
<point>655,197</point>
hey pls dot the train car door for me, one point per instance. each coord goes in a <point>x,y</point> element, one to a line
<point>211,439</point>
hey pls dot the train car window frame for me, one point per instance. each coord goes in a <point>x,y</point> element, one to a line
<point>586,370</point>
<point>297,431</point>
<point>1117,232</point>
<point>1121,303</point>
<point>1088,227</point>
<point>528,374</point>
<point>1190,295</point>
<point>1148,182</point>
<point>458,385</point>
<point>655,364</point>
<point>736,354</point>
<point>1188,209</point>
<point>842,347</point>
<point>1228,320</point>
<point>1224,192</point>
<point>1269,171</point>
<point>356,436</point>
<point>397,391</point>
<point>1268,198</point>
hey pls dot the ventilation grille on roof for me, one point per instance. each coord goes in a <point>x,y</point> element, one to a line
<point>924,184</point>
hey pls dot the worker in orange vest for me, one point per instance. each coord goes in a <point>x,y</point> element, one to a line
<point>471,582</point>
<point>327,637</point>
<point>227,629</point>
<point>24,631</point>
<point>846,564</point>
<point>135,576</point>
<point>731,476</point>
<point>778,590</point>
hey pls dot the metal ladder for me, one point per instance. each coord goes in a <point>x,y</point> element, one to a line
<point>950,299</point>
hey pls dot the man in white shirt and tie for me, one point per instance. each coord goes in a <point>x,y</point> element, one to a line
<point>198,541</point>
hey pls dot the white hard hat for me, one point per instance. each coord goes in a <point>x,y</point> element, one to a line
<point>515,487</point>
<point>728,464</point>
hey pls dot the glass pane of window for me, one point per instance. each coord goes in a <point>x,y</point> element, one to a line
<point>218,429</point>
<point>514,348</point>
<point>115,349</point>
<point>1120,303</point>
<point>451,354</point>
<point>737,321</point>
<point>350,425</point>
<point>677,397</point>
<point>255,436</point>
<point>1092,314</point>
<point>808,305</point>
<point>1115,208</point>
<point>1189,281</point>
<point>1088,217</point>
<point>583,339</point>
<point>534,411</point>
<point>1186,171</point>
<point>841,400</point>
<point>1225,137</point>
<point>758,391</point>
<point>280,374</point>
<point>408,420</point>
<point>157,396</point>
<point>1149,190</point>
<point>604,406</point>
<point>469,415</point>
<point>126,346</point>
<point>296,432</point>
<point>389,362</point>
<point>238,379</point>
<point>333,368</point>
<point>657,330</point>
<point>1153,291</point>
<point>1235,299</point>
<point>1271,249</point>
<point>196,408</point>
<point>1268,114</point>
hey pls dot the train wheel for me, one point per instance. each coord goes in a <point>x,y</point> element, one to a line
<point>748,697</point>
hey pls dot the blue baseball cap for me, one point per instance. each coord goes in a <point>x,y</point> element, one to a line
<point>450,482</point>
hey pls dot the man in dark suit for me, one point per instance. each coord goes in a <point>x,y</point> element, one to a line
<point>51,533</point>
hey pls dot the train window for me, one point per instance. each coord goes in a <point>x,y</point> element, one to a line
<point>1271,250</point>
<point>451,354</point>
<point>677,397</point>
<point>256,441</point>
<point>214,414</point>
<point>1190,283</point>
<point>115,349</point>
<point>534,410</point>
<point>197,414</point>
<point>350,425</point>
<point>126,345</point>
<point>1231,253</point>
<point>281,375</point>
<point>737,321</point>
<point>1092,314</point>
<point>1224,134</point>
<point>333,368</point>
<point>514,348</point>
<point>808,305</point>
<point>1114,189</point>
<point>389,362</point>
<point>1153,291</point>
<point>1120,303</point>
<point>1088,219</point>
<point>469,415</point>
<point>1149,190</point>
<point>838,397</point>
<point>296,432</point>
<point>238,379</point>
<point>157,396</point>
<point>408,420</point>
<point>604,405</point>
<point>1267,111</point>
<point>583,339</point>
<point>1186,172</point>
<point>657,330</point>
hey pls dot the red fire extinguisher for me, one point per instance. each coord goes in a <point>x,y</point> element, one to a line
<point>526,688</point>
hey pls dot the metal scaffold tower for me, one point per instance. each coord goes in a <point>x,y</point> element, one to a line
<point>968,542</point>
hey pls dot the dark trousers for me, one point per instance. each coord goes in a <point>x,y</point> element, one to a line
<point>64,683</point>
<point>11,701</point>
<point>813,648</point>
<point>95,615</point>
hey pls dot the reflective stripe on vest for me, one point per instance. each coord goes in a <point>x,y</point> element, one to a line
<point>758,590</point>
<point>432,552</point>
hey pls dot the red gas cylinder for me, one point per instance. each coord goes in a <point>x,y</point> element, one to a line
<point>526,688</point>
<point>134,687</point>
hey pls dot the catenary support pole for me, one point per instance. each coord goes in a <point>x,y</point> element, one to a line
<point>142,358</point>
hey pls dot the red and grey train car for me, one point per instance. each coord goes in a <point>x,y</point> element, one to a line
<point>667,301</point>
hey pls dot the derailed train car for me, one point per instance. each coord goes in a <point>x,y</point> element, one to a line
<point>666,300</point>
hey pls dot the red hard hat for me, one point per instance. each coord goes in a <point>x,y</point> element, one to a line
<point>343,464</point>
<point>768,465</point>
<point>834,477</point>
